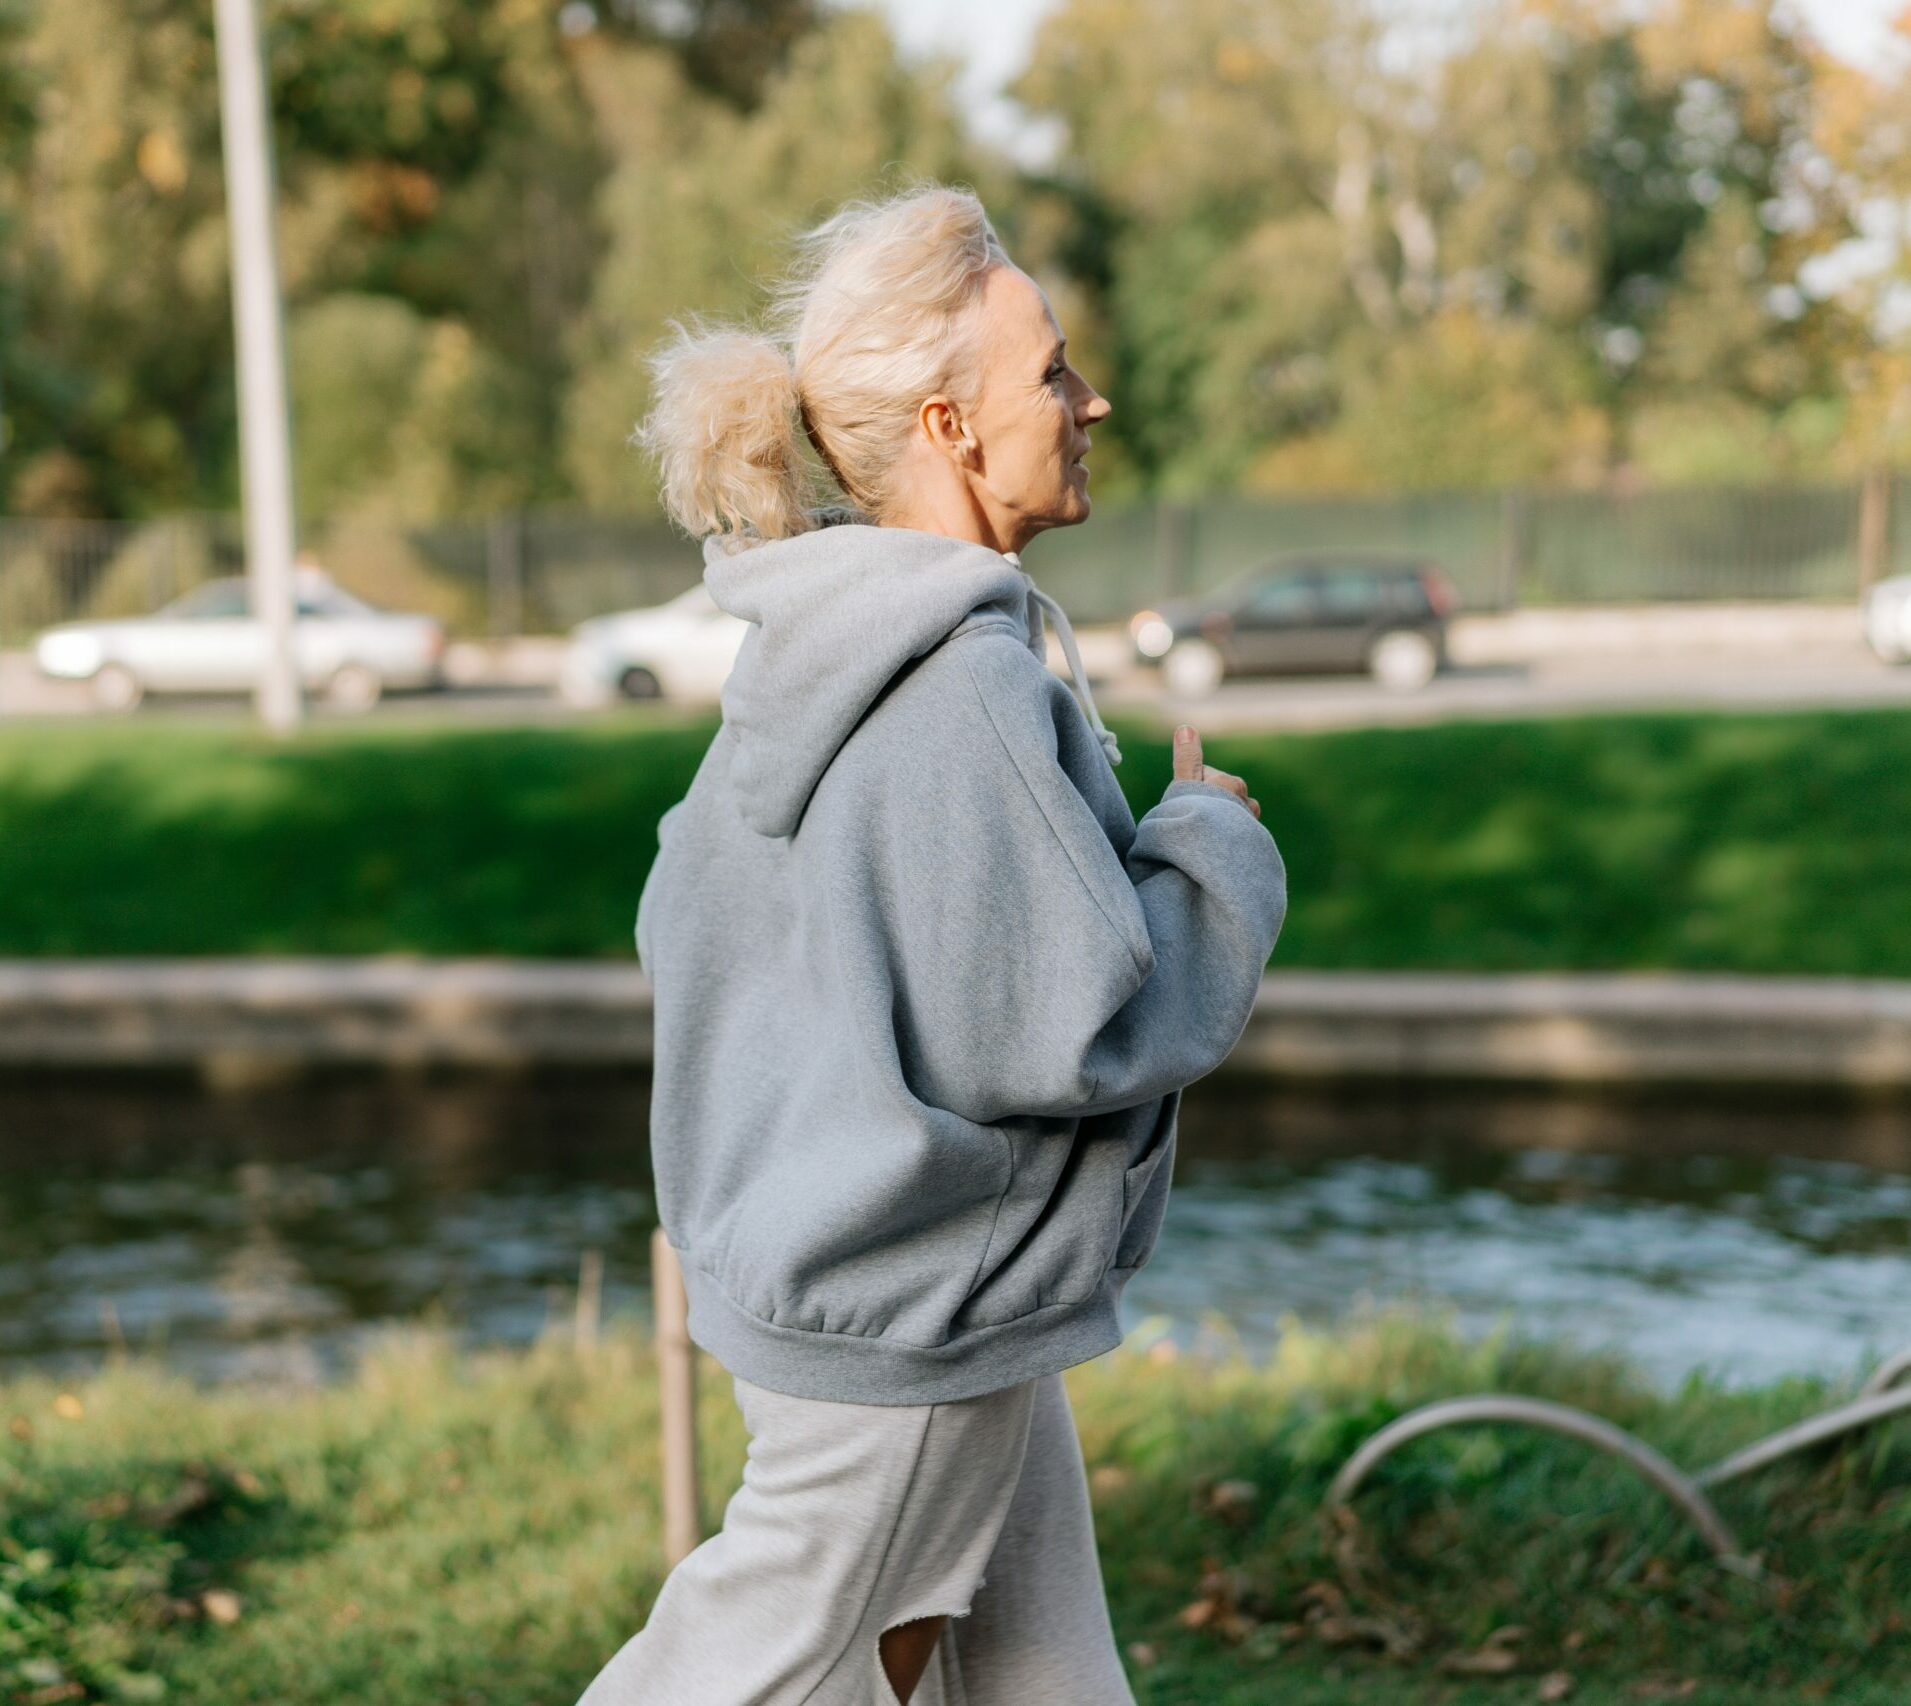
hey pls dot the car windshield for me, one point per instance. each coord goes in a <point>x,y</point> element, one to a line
<point>693,600</point>
<point>231,596</point>
<point>1366,573</point>
<point>331,601</point>
<point>214,599</point>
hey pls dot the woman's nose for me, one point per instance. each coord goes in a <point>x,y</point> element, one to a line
<point>1096,408</point>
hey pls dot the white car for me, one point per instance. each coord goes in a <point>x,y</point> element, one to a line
<point>680,650</point>
<point>208,642</point>
<point>1888,619</point>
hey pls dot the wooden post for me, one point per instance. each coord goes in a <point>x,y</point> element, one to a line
<point>590,1300</point>
<point>1874,529</point>
<point>676,1400</point>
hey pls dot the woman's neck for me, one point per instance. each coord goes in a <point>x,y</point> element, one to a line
<point>952,508</point>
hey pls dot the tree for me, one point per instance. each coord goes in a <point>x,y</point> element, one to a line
<point>703,198</point>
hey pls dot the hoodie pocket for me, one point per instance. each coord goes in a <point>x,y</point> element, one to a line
<point>1144,1203</point>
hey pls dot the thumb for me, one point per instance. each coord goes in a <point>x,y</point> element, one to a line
<point>1187,755</point>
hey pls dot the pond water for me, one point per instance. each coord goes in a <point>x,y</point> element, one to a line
<point>268,1235</point>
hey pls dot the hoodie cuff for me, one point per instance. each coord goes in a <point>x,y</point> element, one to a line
<point>1185,785</point>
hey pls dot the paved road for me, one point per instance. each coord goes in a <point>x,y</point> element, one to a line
<point>1819,673</point>
<point>1555,688</point>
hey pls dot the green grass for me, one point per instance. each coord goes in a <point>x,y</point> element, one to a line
<point>450,1528</point>
<point>1754,843</point>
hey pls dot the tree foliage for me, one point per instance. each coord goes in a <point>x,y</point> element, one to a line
<point>1297,247</point>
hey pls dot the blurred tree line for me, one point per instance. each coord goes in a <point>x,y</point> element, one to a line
<point>1561,245</point>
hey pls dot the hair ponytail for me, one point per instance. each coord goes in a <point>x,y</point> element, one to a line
<point>724,428</point>
<point>874,317</point>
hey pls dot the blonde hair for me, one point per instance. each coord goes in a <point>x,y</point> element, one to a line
<point>872,319</point>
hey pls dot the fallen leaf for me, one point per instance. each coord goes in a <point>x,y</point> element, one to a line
<point>1325,1595</point>
<point>1493,1657</point>
<point>1142,1654</point>
<point>1198,1615</point>
<point>192,1494</point>
<point>222,1605</point>
<point>1381,1633</point>
<point>1556,1685</point>
<point>1232,1501</point>
<point>1483,1661</point>
<point>68,1405</point>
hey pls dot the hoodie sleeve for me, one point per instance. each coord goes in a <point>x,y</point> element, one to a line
<point>1034,968</point>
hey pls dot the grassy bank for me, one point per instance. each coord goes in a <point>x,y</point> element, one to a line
<point>451,1529</point>
<point>1768,843</point>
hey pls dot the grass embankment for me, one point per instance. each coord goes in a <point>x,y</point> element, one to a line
<point>1758,843</point>
<point>458,1529</point>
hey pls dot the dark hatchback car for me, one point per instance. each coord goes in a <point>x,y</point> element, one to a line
<point>1320,614</point>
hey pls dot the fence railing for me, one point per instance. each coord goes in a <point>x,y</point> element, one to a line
<point>541,571</point>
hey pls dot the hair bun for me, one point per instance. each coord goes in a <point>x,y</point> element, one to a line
<point>723,427</point>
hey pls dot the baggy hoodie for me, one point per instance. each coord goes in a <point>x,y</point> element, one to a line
<point>926,994</point>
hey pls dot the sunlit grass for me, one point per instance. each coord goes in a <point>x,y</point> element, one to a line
<point>481,1528</point>
<point>1755,843</point>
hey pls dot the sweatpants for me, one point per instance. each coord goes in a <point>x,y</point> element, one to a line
<point>853,1518</point>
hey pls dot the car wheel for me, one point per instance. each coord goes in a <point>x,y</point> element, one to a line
<point>1404,660</point>
<point>353,687</point>
<point>1193,668</point>
<point>639,683</point>
<point>1884,634</point>
<point>116,688</point>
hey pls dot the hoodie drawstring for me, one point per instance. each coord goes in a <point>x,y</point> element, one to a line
<point>1075,670</point>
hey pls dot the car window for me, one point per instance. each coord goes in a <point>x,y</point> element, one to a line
<point>1350,594</point>
<point>214,599</point>
<point>694,600</point>
<point>1288,598</point>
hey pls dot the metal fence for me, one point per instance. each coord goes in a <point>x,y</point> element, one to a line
<point>539,572</point>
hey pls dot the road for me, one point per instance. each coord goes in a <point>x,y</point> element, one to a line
<point>1540,689</point>
<point>1531,663</point>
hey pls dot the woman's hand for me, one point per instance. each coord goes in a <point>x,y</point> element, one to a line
<point>1189,768</point>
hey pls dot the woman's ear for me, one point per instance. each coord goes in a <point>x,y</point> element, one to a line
<point>946,430</point>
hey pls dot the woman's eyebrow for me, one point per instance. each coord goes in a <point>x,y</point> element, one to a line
<point>1054,354</point>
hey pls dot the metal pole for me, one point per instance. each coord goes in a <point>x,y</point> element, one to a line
<point>265,456</point>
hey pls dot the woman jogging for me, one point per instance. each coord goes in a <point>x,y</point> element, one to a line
<point>926,992</point>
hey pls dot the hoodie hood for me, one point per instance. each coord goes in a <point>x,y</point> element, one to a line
<point>834,614</point>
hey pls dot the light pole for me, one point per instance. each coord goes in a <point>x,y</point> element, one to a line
<point>265,454</point>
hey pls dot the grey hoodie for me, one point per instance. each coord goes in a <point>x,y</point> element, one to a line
<point>926,992</point>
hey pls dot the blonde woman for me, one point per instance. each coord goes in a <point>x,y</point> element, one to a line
<point>926,992</point>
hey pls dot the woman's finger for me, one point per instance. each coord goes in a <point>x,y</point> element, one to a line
<point>1187,754</point>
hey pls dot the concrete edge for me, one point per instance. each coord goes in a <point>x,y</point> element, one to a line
<point>227,1017</point>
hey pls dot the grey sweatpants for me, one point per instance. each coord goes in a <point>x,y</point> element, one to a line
<point>853,1518</point>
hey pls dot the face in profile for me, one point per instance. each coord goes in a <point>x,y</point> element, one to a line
<point>1030,422</point>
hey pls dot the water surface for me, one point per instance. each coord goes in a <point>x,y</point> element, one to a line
<point>267,1235</point>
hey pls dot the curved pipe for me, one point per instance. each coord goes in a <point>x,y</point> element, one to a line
<point>1887,1374</point>
<point>1847,1418</point>
<point>1559,1419</point>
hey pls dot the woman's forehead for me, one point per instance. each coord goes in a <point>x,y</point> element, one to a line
<point>1018,311</point>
